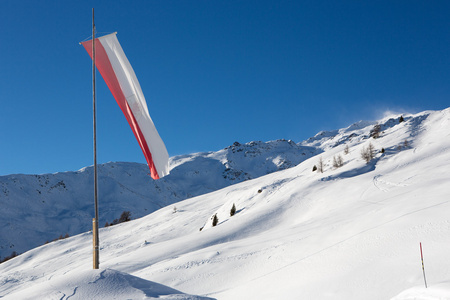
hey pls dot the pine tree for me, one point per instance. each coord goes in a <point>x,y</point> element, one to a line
<point>215,220</point>
<point>125,217</point>
<point>233,210</point>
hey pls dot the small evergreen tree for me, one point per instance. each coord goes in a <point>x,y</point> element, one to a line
<point>233,210</point>
<point>215,220</point>
<point>401,119</point>
<point>13,254</point>
<point>314,168</point>
<point>125,217</point>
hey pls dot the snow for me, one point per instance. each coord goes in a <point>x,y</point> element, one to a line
<point>62,203</point>
<point>348,233</point>
<point>100,284</point>
<point>440,291</point>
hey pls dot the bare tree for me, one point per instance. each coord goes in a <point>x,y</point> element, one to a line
<point>365,154</point>
<point>346,150</point>
<point>338,161</point>
<point>375,132</point>
<point>371,150</point>
<point>320,165</point>
<point>368,153</point>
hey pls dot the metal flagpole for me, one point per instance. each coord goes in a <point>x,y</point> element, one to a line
<point>95,220</point>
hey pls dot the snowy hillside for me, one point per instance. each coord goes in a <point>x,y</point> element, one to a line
<point>351,232</point>
<point>40,208</point>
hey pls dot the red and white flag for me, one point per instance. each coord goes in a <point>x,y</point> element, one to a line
<point>118,74</point>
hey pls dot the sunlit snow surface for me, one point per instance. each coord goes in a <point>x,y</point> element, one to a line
<point>347,233</point>
<point>40,208</point>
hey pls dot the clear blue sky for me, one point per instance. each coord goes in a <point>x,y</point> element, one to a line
<point>213,72</point>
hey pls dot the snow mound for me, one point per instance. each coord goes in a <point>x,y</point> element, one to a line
<point>100,284</point>
<point>436,292</point>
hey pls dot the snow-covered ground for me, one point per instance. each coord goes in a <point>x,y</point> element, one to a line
<point>40,208</point>
<point>351,232</point>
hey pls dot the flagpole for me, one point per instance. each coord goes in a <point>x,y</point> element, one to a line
<point>95,220</point>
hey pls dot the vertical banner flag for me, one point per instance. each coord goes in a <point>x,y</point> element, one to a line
<point>121,80</point>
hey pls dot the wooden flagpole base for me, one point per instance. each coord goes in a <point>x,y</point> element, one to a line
<point>95,240</point>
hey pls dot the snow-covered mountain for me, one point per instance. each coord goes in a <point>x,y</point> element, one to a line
<point>351,232</point>
<point>40,208</point>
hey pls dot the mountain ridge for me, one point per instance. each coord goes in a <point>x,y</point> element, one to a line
<point>60,203</point>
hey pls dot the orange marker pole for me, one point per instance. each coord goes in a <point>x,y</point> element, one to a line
<point>423,267</point>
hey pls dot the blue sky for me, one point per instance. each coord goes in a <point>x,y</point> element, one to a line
<point>213,72</point>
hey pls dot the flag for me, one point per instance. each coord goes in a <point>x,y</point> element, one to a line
<point>121,80</point>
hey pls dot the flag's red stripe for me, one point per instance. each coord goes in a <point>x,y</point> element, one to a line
<point>106,70</point>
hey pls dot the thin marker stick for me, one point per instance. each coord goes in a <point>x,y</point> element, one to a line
<point>423,267</point>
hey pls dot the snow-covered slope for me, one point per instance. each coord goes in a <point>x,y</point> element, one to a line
<point>348,233</point>
<point>40,208</point>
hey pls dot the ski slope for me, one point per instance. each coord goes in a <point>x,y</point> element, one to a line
<point>40,208</point>
<point>348,233</point>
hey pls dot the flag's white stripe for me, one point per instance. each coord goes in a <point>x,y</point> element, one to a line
<point>135,98</point>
